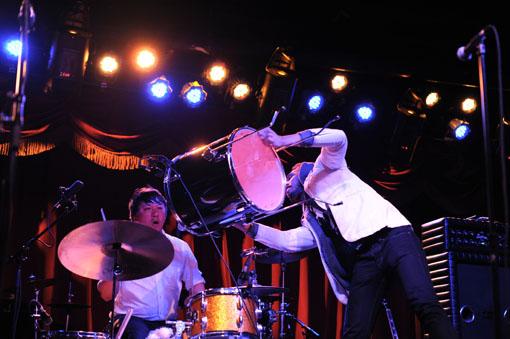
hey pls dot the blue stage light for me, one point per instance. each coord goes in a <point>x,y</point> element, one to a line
<point>13,48</point>
<point>159,88</point>
<point>462,131</point>
<point>459,128</point>
<point>315,103</point>
<point>365,113</point>
<point>193,94</point>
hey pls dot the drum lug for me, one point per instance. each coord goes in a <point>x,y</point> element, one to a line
<point>203,305</point>
<point>239,321</point>
<point>239,303</point>
<point>203,323</point>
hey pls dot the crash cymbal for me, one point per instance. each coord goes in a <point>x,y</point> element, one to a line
<point>89,250</point>
<point>42,283</point>
<point>272,256</point>
<point>260,290</point>
<point>69,306</point>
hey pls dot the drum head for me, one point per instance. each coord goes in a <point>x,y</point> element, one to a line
<point>257,170</point>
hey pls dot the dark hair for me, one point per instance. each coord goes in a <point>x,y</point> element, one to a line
<point>147,194</point>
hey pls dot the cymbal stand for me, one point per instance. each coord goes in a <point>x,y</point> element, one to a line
<point>68,311</point>
<point>117,269</point>
<point>283,306</point>
<point>36,316</point>
<point>307,330</point>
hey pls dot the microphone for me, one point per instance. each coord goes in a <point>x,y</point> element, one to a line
<point>67,194</point>
<point>243,277</point>
<point>465,53</point>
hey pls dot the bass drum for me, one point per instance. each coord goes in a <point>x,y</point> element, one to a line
<point>232,182</point>
<point>73,334</point>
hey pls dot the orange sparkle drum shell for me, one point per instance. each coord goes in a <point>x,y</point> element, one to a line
<point>218,313</point>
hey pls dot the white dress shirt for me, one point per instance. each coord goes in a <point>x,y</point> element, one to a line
<point>157,297</point>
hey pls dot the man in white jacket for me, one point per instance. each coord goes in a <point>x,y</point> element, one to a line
<point>362,238</point>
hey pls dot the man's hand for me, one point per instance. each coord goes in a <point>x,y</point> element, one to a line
<point>270,138</point>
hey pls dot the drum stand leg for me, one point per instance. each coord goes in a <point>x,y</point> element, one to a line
<point>117,269</point>
<point>283,265</point>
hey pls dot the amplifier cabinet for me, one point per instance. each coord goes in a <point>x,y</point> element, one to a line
<point>458,253</point>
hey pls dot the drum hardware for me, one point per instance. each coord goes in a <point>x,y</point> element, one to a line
<point>181,327</point>
<point>115,250</point>
<point>38,311</point>
<point>307,330</point>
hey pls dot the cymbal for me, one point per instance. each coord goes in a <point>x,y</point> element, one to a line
<point>260,290</point>
<point>272,256</point>
<point>69,305</point>
<point>89,250</point>
<point>42,283</point>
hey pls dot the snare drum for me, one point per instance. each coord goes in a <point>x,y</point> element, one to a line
<point>232,182</point>
<point>73,334</point>
<point>220,313</point>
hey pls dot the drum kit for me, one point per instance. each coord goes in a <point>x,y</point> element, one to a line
<point>245,180</point>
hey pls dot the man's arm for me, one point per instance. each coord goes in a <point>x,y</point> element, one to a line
<point>292,240</point>
<point>105,289</point>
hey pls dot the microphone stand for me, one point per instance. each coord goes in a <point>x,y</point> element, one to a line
<point>16,119</point>
<point>22,255</point>
<point>489,185</point>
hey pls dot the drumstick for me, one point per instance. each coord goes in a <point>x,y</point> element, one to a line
<point>124,323</point>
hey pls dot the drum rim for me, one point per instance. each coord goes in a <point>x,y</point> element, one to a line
<point>216,291</point>
<point>236,182</point>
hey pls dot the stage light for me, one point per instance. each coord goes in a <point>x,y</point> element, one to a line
<point>468,105</point>
<point>365,113</point>
<point>460,129</point>
<point>145,59</point>
<point>108,65</point>
<point>216,74</point>
<point>159,88</point>
<point>193,94</point>
<point>432,99</point>
<point>241,91</point>
<point>338,83</point>
<point>69,52</point>
<point>281,64</point>
<point>13,48</point>
<point>315,103</point>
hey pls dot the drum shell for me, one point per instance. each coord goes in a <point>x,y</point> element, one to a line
<point>224,314</point>
<point>212,181</point>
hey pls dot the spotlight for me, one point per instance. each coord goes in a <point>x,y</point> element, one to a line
<point>69,50</point>
<point>13,48</point>
<point>145,59</point>
<point>193,94</point>
<point>108,65</point>
<point>315,103</point>
<point>159,88</point>
<point>280,64</point>
<point>338,83</point>
<point>365,113</point>
<point>432,99</point>
<point>468,105</point>
<point>240,91</point>
<point>460,129</point>
<point>216,74</point>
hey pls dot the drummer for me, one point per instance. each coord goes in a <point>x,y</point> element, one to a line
<point>153,299</point>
